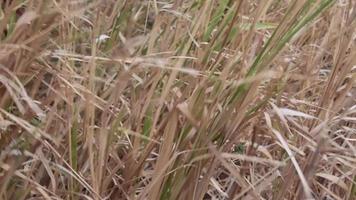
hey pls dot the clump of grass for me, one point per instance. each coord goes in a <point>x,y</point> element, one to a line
<point>177,99</point>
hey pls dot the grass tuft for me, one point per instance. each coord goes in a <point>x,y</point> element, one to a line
<point>198,99</point>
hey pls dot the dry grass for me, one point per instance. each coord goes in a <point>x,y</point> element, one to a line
<point>181,99</point>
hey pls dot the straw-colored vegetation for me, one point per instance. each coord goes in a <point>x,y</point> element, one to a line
<point>177,99</point>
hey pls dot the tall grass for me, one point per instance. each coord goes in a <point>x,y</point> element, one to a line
<point>198,99</point>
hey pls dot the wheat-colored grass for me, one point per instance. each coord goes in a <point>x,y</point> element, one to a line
<point>180,99</point>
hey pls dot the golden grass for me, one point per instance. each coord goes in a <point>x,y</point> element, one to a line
<point>185,99</point>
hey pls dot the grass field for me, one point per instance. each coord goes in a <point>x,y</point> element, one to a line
<point>178,99</point>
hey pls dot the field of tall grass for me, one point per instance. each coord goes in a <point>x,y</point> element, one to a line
<point>178,99</point>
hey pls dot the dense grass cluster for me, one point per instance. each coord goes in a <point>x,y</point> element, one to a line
<point>178,99</point>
